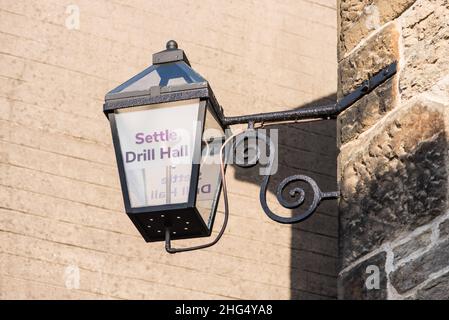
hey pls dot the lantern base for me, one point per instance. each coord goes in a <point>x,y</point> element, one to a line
<point>183,224</point>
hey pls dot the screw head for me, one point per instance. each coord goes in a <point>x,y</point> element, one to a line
<point>365,86</point>
<point>172,45</point>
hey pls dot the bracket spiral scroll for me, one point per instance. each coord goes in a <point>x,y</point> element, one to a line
<point>298,194</point>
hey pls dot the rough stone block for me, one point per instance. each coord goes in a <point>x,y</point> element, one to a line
<point>397,182</point>
<point>437,289</point>
<point>426,33</point>
<point>444,229</point>
<point>416,271</point>
<point>360,18</point>
<point>366,112</point>
<point>417,243</point>
<point>353,283</point>
<point>378,52</point>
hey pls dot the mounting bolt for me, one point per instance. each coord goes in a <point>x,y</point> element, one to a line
<point>365,86</point>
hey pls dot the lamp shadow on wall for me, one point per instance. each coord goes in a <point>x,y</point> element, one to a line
<point>308,149</point>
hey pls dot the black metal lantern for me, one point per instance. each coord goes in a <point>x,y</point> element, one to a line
<point>167,131</point>
<point>169,135</point>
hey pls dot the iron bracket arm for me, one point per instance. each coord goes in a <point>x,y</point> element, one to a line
<point>318,112</point>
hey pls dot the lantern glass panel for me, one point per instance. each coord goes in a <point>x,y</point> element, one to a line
<point>157,147</point>
<point>210,179</point>
<point>167,74</point>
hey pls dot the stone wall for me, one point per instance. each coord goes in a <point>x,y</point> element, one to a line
<point>393,162</point>
<point>63,230</point>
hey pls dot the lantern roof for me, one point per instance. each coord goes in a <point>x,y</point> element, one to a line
<point>170,72</point>
<point>175,76</point>
<point>169,78</point>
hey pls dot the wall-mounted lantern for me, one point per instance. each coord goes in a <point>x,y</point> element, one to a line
<point>169,134</point>
<point>165,122</point>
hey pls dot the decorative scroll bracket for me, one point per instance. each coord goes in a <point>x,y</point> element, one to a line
<point>307,113</point>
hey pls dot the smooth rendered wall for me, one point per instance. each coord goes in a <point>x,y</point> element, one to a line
<point>63,231</point>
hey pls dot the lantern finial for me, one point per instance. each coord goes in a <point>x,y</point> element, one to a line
<point>170,54</point>
<point>172,45</point>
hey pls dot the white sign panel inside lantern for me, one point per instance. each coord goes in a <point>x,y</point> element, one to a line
<point>157,145</point>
